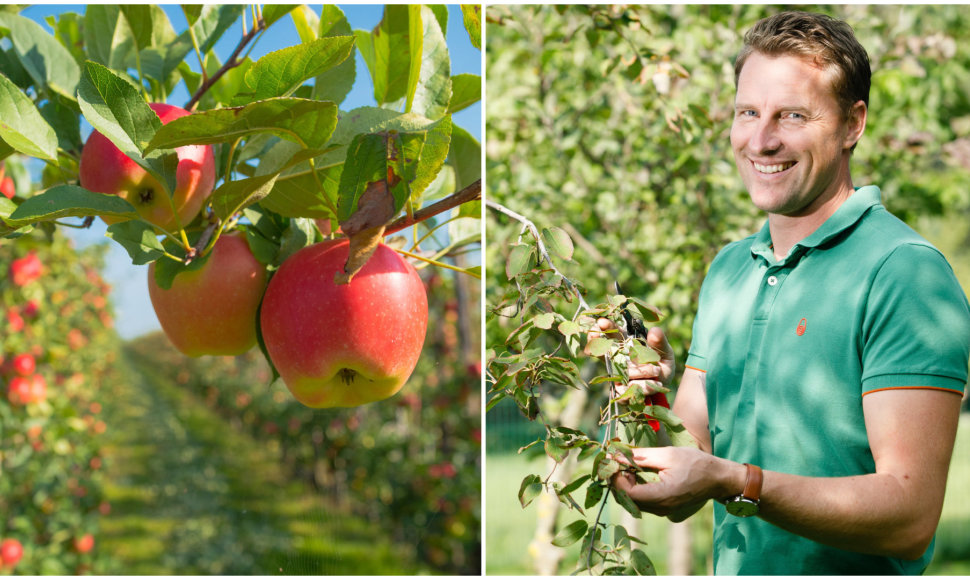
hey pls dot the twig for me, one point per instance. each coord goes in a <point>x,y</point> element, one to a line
<point>230,64</point>
<point>543,254</point>
<point>470,193</point>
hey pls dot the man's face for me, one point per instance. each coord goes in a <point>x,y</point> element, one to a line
<point>789,136</point>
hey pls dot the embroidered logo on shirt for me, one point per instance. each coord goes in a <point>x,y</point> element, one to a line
<point>801,326</point>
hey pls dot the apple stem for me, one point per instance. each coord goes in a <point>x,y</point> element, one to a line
<point>433,262</point>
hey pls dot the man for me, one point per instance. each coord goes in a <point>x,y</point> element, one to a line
<point>830,349</point>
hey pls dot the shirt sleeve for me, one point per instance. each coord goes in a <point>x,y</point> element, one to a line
<point>916,326</point>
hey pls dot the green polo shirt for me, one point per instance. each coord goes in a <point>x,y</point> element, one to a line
<point>790,347</point>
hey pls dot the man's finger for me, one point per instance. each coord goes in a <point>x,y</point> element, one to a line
<point>657,340</point>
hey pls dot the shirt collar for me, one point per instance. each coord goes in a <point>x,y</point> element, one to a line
<point>845,217</point>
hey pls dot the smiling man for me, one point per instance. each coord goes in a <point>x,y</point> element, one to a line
<point>830,349</point>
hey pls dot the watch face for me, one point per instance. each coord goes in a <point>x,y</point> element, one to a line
<point>742,507</point>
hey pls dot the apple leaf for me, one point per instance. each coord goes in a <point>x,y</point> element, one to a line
<point>519,260</point>
<point>232,196</point>
<point>429,88</point>
<point>281,72</point>
<point>69,201</point>
<point>387,52</point>
<point>41,55</point>
<point>306,21</point>
<point>472,17</point>
<point>308,123</point>
<point>530,489</point>
<point>626,502</point>
<point>465,156</point>
<point>466,90</point>
<point>117,110</point>
<point>559,242</point>
<point>273,12</point>
<point>139,239</point>
<point>21,125</point>
<point>571,534</point>
<point>336,83</point>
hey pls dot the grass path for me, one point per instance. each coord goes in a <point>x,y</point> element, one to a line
<point>189,495</point>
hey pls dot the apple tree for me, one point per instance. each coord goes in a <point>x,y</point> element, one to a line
<point>57,354</point>
<point>269,151</point>
<point>607,126</point>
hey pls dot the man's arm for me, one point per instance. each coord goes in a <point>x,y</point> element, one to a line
<point>892,512</point>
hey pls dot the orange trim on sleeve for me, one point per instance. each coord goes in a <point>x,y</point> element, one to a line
<point>695,368</point>
<point>913,387</point>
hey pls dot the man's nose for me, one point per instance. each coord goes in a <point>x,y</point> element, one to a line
<point>765,137</point>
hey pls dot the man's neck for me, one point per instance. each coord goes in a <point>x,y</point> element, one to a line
<point>788,230</point>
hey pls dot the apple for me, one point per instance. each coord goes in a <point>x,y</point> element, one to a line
<point>84,544</point>
<point>25,270</point>
<point>105,169</point>
<point>24,365</point>
<point>26,390</point>
<point>212,310</point>
<point>7,187</point>
<point>344,345</point>
<point>11,551</point>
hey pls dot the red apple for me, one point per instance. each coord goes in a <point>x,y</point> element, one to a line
<point>84,544</point>
<point>343,345</point>
<point>25,270</point>
<point>212,310</point>
<point>7,187</point>
<point>11,551</point>
<point>24,365</point>
<point>105,169</point>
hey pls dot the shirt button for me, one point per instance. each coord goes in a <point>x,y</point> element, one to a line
<point>772,280</point>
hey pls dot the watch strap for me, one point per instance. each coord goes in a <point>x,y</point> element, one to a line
<point>753,482</point>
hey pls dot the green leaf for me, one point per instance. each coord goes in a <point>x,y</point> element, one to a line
<point>466,90</point>
<point>530,489</point>
<point>281,72</point>
<point>167,270</point>
<point>643,354</point>
<point>555,448</point>
<point>233,196</point>
<point>594,493</point>
<point>69,201</point>
<point>599,346</point>
<point>571,534</point>
<point>519,260</point>
<point>559,242</point>
<point>117,110</point>
<point>273,12</point>
<point>472,18</point>
<point>568,328</point>
<point>387,52</point>
<point>626,502</point>
<point>544,320</point>
<point>104,41</point>
<point>641,563</point>
<point>139,18</point>
<point>336,83</point>
<point>138,239</point>
<point>465,156</point>
<point>429,91</point>
<point>41,55</point>
<point>21,125</point>
<point>308,123</point>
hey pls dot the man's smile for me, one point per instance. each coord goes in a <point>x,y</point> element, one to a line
<point>773,168</point>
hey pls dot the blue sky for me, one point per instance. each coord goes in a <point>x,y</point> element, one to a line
<point>134,313</point>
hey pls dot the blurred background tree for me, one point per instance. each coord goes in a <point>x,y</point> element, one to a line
<point>613,122</point>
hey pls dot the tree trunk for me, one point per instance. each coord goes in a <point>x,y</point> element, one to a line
<point>679,549</point>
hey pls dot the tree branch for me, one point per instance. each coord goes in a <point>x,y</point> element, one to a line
<point>470,193</point>
<point>258,27</point>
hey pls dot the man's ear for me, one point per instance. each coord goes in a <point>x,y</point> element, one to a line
<point>856,124</point>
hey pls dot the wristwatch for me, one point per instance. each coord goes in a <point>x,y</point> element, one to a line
<point>745,504</point>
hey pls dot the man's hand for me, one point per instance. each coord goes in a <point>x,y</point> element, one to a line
<point>647,377</point>
<point>688,478</point>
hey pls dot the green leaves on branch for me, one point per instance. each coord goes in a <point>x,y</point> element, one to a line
<point>21,125</point>
<point>69,201</point>
<point>280,73</point>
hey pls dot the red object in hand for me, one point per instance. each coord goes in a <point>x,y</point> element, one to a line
<point>657,399</point>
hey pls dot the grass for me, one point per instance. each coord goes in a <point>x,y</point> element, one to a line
<point>509,528</point>
<point>189,495</point>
